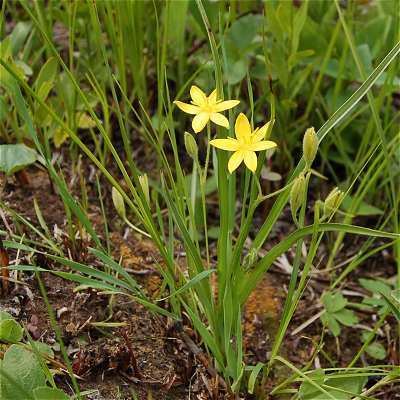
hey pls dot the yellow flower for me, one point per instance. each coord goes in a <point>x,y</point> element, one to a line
<point>245,145</point>
<point>206,108</point>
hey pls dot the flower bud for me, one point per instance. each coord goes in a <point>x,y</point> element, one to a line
<point>144,183</point>
<point>297,194</point>
<point>119,203</point>
<point>250,258</point>
<point>310,146</point>
<point>191,145</point>
<point>332,201</point>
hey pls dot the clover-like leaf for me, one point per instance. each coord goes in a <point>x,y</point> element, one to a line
<point>333,302</point>
<point>346,317</point>
<point>329,321</point>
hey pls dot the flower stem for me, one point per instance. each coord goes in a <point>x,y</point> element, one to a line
<point>207,153</point>
<point>203,181</point>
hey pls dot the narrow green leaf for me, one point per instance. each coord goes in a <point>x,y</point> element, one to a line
<point>253,377</point>
<point>196,279</point>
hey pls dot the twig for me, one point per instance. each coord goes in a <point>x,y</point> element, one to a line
<point>5,272</point>
<point>132,354</point>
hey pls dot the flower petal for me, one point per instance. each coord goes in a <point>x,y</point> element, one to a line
<point>226,105</point>
<point>198,96</point>
<point>263,145</point>
<point>212,98</point>
<point>242,127</point>
<point>200,121</point>
<point>187,108</point>
<point>250,159</point>
<point>219,119</point>
<point>225,144</point>
<point>259,134</point>
<point>235,160</point>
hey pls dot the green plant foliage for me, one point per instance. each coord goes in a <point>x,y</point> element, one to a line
<point>375,350</point>
<point>336,386</point>
<point>10,330</point>
<point>336,313</point>
<point>393,303</point>
<point>363,208</point>
<point>240,46</point>
<point>48,393</point>
<point>378,289</point>
<point>23,366</point>
<point>14,157</point>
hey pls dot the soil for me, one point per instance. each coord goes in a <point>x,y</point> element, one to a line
<point>121,350</point>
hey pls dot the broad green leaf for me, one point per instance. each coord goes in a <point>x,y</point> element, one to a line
<point>213,232</point>
<point>307,390</point>
<point>372,31</point>
<point>47,74</point>
<point>346,317</point>
<point>4,316</point>
<point>237,71</point>
<point>44,91</point>
<point>375,286</point>
<point>243,31</point>
<point>353,384</point>
<point>329,321</point>
<point>48,393</point>
<point>66,91</point>
<point>177,17</point>
<point>14,157</point>
<point>333,302</point>
<point>374,302</point>
<point>10,331</point>
<point>211,9</point>
<point>348,387</point>
<point>364,53</point>
<point>44,349</point>
<point>376,350</point>
<point>23,366</point>
<point>363,209</point>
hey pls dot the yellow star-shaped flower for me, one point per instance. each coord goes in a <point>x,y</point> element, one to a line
<point>245,145</point>
<point>206,108</point>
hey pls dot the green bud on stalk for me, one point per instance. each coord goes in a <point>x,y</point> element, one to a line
<point>191,145</point>
<point>310,146</point>
<point>144,183</point>
<point>297,195</point>
<point>119,203</point>
<point>332,202</point>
